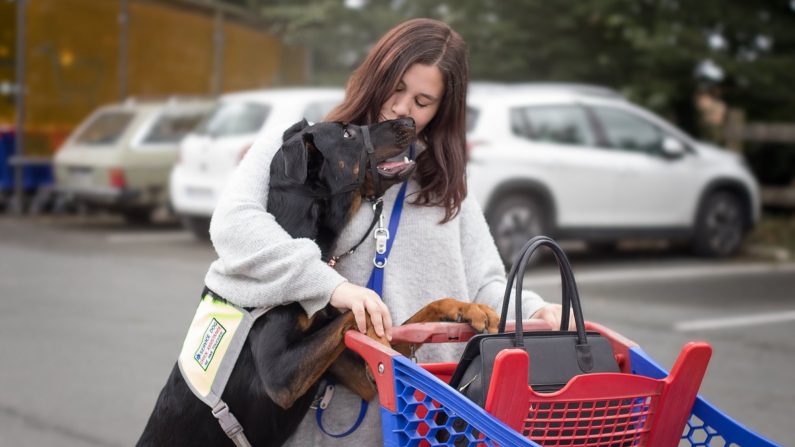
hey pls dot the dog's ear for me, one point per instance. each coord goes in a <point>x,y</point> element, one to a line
<point>295,159</point>
<point>294,129</point>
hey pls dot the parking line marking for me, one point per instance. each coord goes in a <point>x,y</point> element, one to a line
<point>730,322</point>
<point>135,238</point>
<point>666,274</point>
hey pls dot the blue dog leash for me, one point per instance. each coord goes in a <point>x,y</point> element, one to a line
<point>383,247</point>
<point>321,403</point>
<point>376,283</point>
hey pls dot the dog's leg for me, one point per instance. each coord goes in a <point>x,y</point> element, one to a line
<point>289,373</point>
<point>480,316</point>
<point>350,370</point>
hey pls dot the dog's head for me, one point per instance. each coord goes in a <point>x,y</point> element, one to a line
<point>334,156</point>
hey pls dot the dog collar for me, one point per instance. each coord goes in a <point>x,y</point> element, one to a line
<point>378,211</point>
<point>370,159</point>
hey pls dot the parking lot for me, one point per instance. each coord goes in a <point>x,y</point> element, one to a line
<point>95,312</point>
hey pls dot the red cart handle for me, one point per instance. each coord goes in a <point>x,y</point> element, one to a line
<point>419,333</point>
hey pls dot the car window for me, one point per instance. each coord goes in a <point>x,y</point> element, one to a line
<point>316,111</point>
<point>171,128</point>
<point>560,124</point>
<point>235,118</point>
<point>626,131</point>
<point>105,128</point>
<point>472,117</point>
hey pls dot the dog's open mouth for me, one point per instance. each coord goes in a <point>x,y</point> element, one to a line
<point>392,169</point>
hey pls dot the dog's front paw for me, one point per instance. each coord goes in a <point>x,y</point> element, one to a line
<point>480,316</point>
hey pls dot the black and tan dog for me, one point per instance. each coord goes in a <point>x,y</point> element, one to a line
<point>319,178</point>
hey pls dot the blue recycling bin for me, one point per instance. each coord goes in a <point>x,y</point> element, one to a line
<point>34,175</point>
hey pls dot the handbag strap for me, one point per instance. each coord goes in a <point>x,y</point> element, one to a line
<point>564,323</point>
<point>570,298</point>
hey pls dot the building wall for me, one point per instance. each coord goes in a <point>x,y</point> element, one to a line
<point>71,64</point>
<point>249,58</point>
<point>72,52</point>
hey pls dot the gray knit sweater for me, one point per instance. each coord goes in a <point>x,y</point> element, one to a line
<point>259,264</point>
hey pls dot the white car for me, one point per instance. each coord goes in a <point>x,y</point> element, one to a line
<point>581,162</point>
<point>210,154</point>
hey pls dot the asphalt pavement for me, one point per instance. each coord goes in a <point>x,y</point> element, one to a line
<point>94,313</point>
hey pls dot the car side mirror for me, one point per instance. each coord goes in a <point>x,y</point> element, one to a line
<point>673,148</point>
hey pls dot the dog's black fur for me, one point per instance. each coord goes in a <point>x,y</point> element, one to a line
<point>315,186</point>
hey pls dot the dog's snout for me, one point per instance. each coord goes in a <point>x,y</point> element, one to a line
<point>405,130</point>
<point>406,122</point>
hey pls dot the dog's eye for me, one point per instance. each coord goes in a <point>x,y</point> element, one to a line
<point>347,134</point>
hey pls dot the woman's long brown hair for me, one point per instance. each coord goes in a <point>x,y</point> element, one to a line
<point>441,167</point>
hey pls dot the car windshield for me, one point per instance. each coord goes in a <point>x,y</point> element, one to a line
<point>235,118</point>
<point>171,128</point>
<point>105,128</point>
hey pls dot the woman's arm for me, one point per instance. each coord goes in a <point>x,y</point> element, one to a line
<point>259,263</point>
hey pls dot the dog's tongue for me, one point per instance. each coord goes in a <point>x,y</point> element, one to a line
<point>394,167</point>
<point>390,165</point>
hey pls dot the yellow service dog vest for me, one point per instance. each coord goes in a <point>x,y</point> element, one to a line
<point>209,353</point>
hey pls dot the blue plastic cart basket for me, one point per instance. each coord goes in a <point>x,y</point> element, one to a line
<point>419,409</point>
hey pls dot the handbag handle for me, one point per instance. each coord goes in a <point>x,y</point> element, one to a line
<point>570,298</point>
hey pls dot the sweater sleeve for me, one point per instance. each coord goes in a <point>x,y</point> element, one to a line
<point>259,264</point>
<point>484,269</point>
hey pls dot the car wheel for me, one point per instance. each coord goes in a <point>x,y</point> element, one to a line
<point>199,226</point>
<point>513,221</point>
<point>720,226</point>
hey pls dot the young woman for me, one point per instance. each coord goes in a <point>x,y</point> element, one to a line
<point>443,247</point>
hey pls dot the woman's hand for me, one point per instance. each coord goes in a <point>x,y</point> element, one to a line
<point>552,313</point>
<point>363,301</point>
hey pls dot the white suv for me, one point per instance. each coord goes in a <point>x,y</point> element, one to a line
<point>210,154</point>
<point>581,162</point>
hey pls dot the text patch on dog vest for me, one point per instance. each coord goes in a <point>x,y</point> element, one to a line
<point>214,341</point>
<point>210,341</point>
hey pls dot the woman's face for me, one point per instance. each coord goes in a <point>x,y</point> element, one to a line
<point>417,96</point>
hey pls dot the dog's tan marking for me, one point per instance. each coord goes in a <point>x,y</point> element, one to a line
<point>351,372</point>
<point>356,169</point>
<point>357,202</point>
<point>480,316</point>
<point>329,346</point>
<point>304,322</point>
<point>341,165</point>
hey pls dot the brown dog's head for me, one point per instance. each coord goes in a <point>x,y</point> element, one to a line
<point>339,157</point>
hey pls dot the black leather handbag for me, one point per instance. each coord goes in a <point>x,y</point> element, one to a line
<point>555,356</point>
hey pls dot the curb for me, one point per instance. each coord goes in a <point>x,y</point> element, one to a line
<point>770,252</point>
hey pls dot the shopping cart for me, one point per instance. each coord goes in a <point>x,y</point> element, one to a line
<point>641,406</point>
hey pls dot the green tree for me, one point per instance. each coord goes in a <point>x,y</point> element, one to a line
<point>647,49</point>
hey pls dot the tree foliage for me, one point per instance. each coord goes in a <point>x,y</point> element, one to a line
<point>647,49</point>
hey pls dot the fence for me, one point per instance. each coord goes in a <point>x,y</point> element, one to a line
<point>737,132</point>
